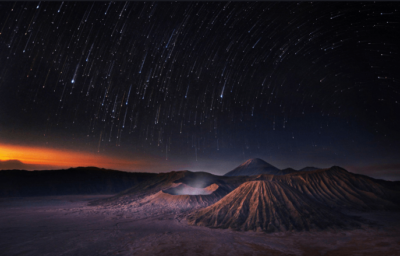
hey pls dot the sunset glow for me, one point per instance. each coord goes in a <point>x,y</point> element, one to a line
<point>62,158</point>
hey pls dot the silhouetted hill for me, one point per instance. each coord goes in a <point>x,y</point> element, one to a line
<point>11,164</point>
<point>74,181</point>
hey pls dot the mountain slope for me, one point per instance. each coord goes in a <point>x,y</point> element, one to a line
<point>337,188</point>
<point>254,166</point>
<point>268,206</point>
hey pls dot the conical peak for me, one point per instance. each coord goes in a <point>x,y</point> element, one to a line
<point>253,166</point>
<point>255,161</point>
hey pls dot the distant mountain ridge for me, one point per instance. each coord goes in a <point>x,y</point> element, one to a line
<point>257,166</point>
<point>73,181</point>
<point>305,169</point>
<point>309,169</point>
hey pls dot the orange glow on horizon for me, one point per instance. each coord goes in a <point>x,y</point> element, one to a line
<point>63,158</point>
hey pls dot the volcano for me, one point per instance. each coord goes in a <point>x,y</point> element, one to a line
<point>176,199</point>
<point>173,193</point>
<point>269,206</point>
<point>254,166</point>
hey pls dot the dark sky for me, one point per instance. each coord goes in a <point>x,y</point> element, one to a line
<point>205,86</point>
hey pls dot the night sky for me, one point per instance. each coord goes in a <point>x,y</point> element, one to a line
<point>202,86</point>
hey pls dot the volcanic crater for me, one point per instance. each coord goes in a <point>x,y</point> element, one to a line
<point>183,189</point>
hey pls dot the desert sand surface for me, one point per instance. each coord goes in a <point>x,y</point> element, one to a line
<point>66,225</point>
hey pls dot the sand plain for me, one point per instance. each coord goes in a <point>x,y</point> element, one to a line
<point>66,225</point>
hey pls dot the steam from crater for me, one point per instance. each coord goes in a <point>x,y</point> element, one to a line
<point>183,189</point>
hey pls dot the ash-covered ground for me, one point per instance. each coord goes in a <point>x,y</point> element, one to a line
<point>66,225</point>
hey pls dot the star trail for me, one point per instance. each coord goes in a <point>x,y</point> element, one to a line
<point>197,83</point>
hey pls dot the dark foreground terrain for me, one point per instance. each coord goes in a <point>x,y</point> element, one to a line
<point>66,225</point>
